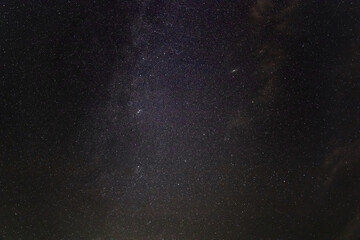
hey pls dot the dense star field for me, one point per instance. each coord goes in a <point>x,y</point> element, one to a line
<point>180,120</point>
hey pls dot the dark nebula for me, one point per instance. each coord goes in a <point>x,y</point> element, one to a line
<point>154,119</point>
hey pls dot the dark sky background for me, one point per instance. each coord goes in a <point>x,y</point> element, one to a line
<point>154,119</point>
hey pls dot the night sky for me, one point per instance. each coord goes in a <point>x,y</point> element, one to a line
<point>180,120</point>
